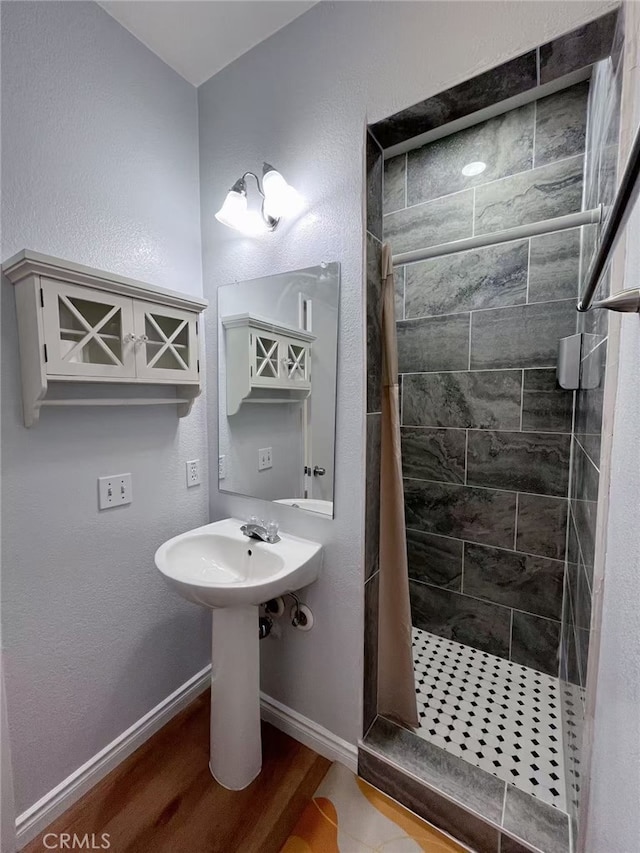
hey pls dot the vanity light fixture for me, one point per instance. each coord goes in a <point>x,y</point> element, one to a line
<point>278,200</point>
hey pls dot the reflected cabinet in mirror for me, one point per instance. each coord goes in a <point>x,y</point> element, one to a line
<point>278,347</point>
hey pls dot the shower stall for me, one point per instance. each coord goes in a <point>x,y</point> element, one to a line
<point>493,196</point>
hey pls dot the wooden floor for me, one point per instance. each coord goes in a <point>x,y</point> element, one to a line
<point>163,799</point>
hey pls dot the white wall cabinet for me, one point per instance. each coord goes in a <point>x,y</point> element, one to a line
<point>265,362</point>
<point>81,325</point>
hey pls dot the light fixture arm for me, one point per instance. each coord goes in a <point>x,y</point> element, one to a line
<point>241,187</point>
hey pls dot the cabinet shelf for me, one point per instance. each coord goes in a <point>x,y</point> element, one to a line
<point>79,326</point>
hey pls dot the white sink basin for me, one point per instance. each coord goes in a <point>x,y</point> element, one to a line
<point>221,568</point>
<point>218,566</point>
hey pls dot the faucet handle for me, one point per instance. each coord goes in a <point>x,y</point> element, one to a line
<point>272,529</point>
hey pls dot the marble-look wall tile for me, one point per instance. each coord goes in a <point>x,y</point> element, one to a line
<point>577,49</point>
<point>554,266</point>
<point>480,791</point>
<point>516,580</point>
<point>505,81</point>
<point>461,618</point>
<point>503,143</point>
<point>510,845</point>
<point>544,193</point>
<point>433,343</point>
<point>535,642</point>
<point>586,477</point>
<point>433,454</point>
<point>584,515</point>
<point>372,508</point>
<point>435,559</point>
<point>482,278</point>
<point>542,526</point>
<point>370,693</point>
<point>395,197</point>
<point>522,336</point>
<point>423,800</point>
<point>583,604</point>
<point>561,121</point>
<point>374,323</point>
<point>439,221</point>
<point>485,516</point>
<point>482,399</point>
<point>526,462</point>
<point>545,405</point>
<point>537,823</point>
<point>374,187</point>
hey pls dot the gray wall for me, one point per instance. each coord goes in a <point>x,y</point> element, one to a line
<point>99,165</point>
<point>301,101</point>
<point>485,426</point>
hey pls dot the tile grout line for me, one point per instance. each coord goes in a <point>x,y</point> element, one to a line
<point>529,273</point>
<point>489,601</point>
<point>466,456</point>
<point>511,631</point>
<point>469,343</point>
<point>515,525</point>
<point>475,310</point>
<point>484,545</point>
<point>522,403</point>
<point>487,184</point>
<point>535,122</point>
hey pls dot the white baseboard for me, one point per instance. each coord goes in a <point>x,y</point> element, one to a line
<point>48,808</point>
<point>36,818</point>
<point>308,732</point>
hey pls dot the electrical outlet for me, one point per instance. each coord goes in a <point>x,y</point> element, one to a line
<point>264,458</point>
<point>115,490</point>
<point>222,467</point>
<point>193,473</point>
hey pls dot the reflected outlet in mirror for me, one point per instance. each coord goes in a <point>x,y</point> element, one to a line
<point>278,345</point>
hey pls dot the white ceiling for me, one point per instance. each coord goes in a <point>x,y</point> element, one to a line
<point>199,37</point>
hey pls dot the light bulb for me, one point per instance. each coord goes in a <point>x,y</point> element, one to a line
<point>280,199</point>
<point>234,210</point>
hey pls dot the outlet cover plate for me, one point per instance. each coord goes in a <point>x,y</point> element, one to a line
<point>193,473</point>
<point>115,490</point>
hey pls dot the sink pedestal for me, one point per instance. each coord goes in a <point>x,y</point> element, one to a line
<point>235,757</point>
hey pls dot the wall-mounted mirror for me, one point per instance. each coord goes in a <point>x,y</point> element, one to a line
<point>278,347</point>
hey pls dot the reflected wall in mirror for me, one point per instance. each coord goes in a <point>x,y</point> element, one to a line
<point>278,347</point>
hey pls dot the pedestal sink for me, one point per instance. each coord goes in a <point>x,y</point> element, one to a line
<point>217,566</point>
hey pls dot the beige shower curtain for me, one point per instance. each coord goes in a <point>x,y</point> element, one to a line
<point>396,681</point>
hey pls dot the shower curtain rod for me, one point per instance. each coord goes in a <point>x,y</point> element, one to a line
<point>545,226</point>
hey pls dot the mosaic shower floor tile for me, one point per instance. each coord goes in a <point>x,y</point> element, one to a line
<point>498,715</point>
<point>347,815</point>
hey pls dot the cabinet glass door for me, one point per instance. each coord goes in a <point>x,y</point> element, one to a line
<point>266,359</point>
<point>166,343</point>
<point>296,361</point>
<point>87,333</point>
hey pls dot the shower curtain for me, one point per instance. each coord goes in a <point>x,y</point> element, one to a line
<point>396,681</point>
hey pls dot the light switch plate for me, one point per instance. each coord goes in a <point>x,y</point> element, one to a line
<point>193,473</point>
<point>222,467</point>
<point>115,490</point>
<point>264,458</point>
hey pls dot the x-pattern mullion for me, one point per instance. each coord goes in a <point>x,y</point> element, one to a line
<point>267,356</point>
<point>92,331</point>
<point>168,341</point>
<point>297,361</point>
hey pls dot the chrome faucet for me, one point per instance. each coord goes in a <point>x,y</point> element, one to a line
<point>257,529</point>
